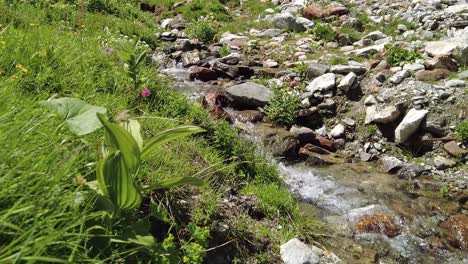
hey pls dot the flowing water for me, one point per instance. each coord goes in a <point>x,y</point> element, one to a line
<point>340,195</point>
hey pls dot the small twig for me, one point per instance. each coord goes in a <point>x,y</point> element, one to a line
<point>444,139</point>
<point>222,245</point>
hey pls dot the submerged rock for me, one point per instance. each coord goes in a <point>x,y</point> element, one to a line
<point>314,155</point>
<point>381,224</point>
<point>455,231</point>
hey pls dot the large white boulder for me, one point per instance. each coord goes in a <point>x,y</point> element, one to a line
<point>296,252</point>
<point>409,125</point>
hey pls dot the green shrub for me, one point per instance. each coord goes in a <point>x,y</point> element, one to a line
<point>202,29</point>
<point>398,56</point>
<point>461,130</point>
<point>323,32</point>
<point>283,107</point>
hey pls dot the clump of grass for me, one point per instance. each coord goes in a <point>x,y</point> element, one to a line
<point>202,29</point>
<point>398,56</point>
<point>461,130</point>
<point>323,32</point>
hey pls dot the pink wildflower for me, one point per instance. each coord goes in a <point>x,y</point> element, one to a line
<point>146,92</point>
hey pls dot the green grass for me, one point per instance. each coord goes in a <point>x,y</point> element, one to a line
<point>47,211</point>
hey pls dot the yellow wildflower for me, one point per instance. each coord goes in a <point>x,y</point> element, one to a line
<point>21,68</point>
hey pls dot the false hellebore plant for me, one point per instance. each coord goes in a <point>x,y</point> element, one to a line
<point>123,151</point>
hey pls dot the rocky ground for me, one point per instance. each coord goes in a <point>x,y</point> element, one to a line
<point>379,81</point>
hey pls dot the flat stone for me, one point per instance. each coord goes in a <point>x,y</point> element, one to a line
<point>455,84</point>
<point>453,149</point>
<point>384,116</point>
<point>315,70</point>
<point>345,69</point>
<point>414,67</point>
<point>323,83</point>
<point>234,40</point>
<point>432,75</point>
<point>249,95</point>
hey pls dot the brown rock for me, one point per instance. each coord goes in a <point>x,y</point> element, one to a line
<point>442,62</point>
<point>203,74</point>
<point>325,143</point>
<point>313,12</point>
<point>432,75</point>
<point>453,149</point>
<point>455,231</point>
<point>382,224</point>
<point>336,11</point>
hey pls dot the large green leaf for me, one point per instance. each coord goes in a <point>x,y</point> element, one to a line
<point>119,139</point>
<point>175,182</point>
<point>116,181</point>
<point>134,128</point>
<point>79,116</point>
<point>169,135</point>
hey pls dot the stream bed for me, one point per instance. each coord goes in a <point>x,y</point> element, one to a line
<point>369,216</point>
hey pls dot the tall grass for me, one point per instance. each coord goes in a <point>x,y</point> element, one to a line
<point>45,214</point>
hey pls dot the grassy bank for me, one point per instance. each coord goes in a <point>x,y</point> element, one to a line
<point>48,212</point>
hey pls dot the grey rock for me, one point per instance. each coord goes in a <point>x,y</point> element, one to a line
<point>390,164</point>
<point>347,82</point>
<point>190,58</point>
<point>322,83</point>
<point>249,95</point>
<point>338,131</point>
<point>303,134</point>
<point>375,35</point>
<point>409,125</point>
<point>286,21</point>
<point>367,51</point>
<point>296,252</point>
<point>345,69</point>
<point>384,116</point>
<point>442,163</point>
<point>455,84</point>
<point>414,67</point>
<point>349,122</point>
<point>315,70</point>
<point>370,100</point>
<point>233,40</point>
<point>269,33</point>
<point>398,77</point>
